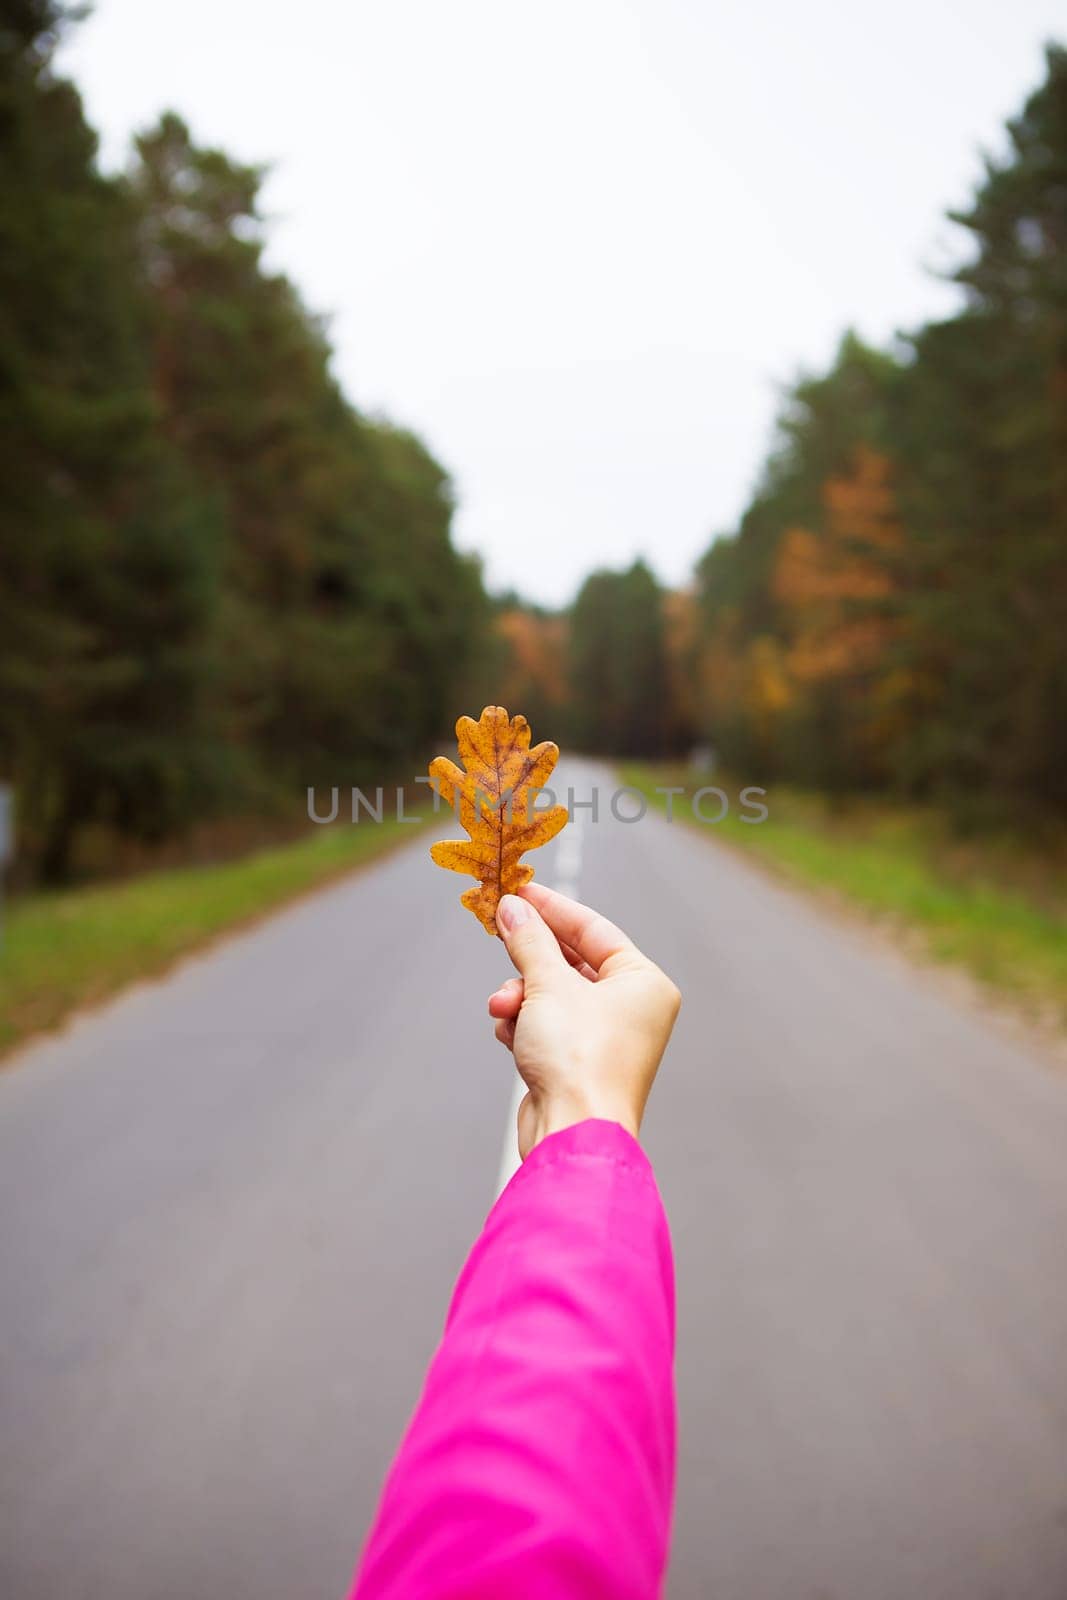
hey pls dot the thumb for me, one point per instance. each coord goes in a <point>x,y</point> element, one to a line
<point>531,944</point>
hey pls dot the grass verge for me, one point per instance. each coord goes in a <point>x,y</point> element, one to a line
<point>993,906</point>
<point>64,950</point>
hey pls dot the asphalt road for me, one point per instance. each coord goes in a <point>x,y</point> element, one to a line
<point>234,1202</point>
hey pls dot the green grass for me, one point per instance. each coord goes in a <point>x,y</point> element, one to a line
<point>994,906</point>
<point>63,950</point>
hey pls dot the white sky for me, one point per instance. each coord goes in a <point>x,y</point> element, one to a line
<point>579,245</point>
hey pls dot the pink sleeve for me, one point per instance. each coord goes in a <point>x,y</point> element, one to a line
<point>539,1464</point>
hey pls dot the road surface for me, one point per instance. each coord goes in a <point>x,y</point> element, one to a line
<point>234,1203</point>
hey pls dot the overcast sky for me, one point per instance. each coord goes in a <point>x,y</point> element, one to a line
<point>578,245</point>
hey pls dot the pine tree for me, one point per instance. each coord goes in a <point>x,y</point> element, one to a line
<point>100,530</point>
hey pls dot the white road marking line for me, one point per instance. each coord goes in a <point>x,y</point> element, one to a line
<point>509,1160</point>
<point>568,866</point>
<point>569,853</point>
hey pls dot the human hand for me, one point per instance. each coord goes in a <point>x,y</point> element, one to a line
<point>588,1019</point>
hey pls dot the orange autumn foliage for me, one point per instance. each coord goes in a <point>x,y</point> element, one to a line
<point>536,647</point>
<point>833,583</point>
<point>496,799</point>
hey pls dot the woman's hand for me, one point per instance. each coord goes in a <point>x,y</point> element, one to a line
<point>588,1019</point>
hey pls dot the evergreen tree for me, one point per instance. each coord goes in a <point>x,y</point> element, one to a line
<point>218,582</point>
<point>100,530</point>
<point>891,609</point>
<point>348,615</point>
<point>982,430</point>
<point>618,664</point>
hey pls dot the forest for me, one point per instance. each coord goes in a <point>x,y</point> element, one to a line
<point>890,615</point>
<point>220,583</point>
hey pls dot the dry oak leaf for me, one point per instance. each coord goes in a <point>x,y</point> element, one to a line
<point>496,805</point>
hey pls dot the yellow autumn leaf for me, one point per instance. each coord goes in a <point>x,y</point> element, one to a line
<point>495,799</point>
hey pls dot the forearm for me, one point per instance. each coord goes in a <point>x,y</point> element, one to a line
<point>540,1461</point>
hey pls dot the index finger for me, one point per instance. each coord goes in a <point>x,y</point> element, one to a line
<point>592,936</point>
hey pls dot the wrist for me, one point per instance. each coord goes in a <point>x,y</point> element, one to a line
<point>561,1112</point>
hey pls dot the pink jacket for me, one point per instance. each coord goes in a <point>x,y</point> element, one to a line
<point>539,1464</point>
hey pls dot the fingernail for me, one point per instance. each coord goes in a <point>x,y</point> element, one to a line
<point>511,912</point>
